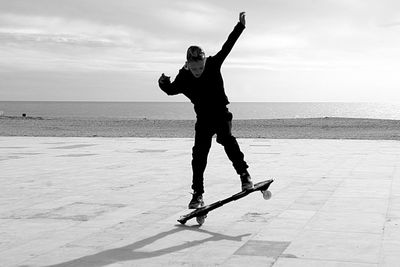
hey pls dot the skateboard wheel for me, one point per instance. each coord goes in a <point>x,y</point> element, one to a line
<point>266,194</point>
<point>182,221</point>
<point>201,219</point>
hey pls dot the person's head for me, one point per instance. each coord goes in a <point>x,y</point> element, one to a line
<point>195,60</point>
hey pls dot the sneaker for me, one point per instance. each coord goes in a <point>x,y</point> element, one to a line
<point>197,201</point>
<point>247,184</point>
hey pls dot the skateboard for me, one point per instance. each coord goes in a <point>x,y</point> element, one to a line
<point>201,213</point>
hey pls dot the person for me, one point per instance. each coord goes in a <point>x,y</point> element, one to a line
<point>201,81</point>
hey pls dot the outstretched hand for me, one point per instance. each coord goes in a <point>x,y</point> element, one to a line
<point>164,79</point>
<point>242,18</point>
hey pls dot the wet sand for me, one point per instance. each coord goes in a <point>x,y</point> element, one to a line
<point>316,128</point>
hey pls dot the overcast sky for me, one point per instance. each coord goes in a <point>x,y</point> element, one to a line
<point>291,50</point>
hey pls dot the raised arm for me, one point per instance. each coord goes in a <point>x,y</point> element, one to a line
<point>174,88</point>
<point>232,38</point>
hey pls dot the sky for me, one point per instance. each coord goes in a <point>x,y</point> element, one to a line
<point>290,51</point>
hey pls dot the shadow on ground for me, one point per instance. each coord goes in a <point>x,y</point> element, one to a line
<point>130,253</point>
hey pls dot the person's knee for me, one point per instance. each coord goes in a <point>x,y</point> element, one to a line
<point>200,151</point>
<point>226,139</point>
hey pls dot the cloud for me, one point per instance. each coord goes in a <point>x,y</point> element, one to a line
<point>67,42</point>
<point>49,42</point>
<point>351,37</point>
<point>193,16</point>
<point>391,24</point>
<point>268,41</point>
<point>57,30</point>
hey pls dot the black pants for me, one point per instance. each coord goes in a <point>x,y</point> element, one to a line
<point>205,129</point>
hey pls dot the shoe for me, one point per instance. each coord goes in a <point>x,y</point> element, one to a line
<point>197,201</point>
<point>247,184</point>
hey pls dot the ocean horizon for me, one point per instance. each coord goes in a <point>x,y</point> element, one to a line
<point>184,110</point>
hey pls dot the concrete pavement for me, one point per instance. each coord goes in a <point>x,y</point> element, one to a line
<point>115,202</point>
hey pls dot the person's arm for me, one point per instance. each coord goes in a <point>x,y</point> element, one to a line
<point>232,38</point>
<point>174,88</point>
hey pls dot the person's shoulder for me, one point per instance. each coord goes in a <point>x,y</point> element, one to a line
<point>183,74</point>
<point>184,71</point>
<point>210,60</point>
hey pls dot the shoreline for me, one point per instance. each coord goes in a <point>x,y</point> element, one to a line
<point>297,128</point>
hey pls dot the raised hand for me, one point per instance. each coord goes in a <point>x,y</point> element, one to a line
<point>164,79</point>
<point>242,18</point>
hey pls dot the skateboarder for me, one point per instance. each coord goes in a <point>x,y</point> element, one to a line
<point>201,81</point>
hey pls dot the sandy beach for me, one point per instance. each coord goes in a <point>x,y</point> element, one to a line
<point>316,128</point>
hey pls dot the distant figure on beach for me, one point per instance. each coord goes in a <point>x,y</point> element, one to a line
<point>201,81</point>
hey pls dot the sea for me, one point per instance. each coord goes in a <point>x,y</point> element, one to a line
<point>184,110</point>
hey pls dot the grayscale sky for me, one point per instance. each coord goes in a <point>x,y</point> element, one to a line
<point>291,50</point>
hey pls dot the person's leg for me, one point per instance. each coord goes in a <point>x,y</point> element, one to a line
<point>201,148</point>
<point>232,149</point>
<point>231,146</point>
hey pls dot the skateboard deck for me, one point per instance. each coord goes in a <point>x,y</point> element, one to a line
<point>201,213</point>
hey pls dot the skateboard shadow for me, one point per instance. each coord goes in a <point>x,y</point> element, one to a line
<point>129,252</point>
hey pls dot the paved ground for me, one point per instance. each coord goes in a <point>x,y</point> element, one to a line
<point>115,202</point>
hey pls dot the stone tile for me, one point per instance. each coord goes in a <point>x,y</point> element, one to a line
<point>151,150</point>
<point>336,246</point>
<point>331,200</point>
<point>311,200</point>
<point>29,250</point>
<point>76,155</point>
<point>288,223</point>
<point>207,254</point>
<point>390,253</point>
<point>276,234</point>
<point>271,249</point>
<point>170,260</point>
<point>356,204</point>
<point>297,214</point>
<point>394,206</point>
<point>354,192</point>
<point>60,255</point>
<point>78,211</point>
<point>360,222</point>
<point>242,260</point>
<point>73,146</point>
<point>290,262</point>
<point>18,232</point>
<point>392,229</point>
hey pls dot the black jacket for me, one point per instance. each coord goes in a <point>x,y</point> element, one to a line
<point>206,92</point>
